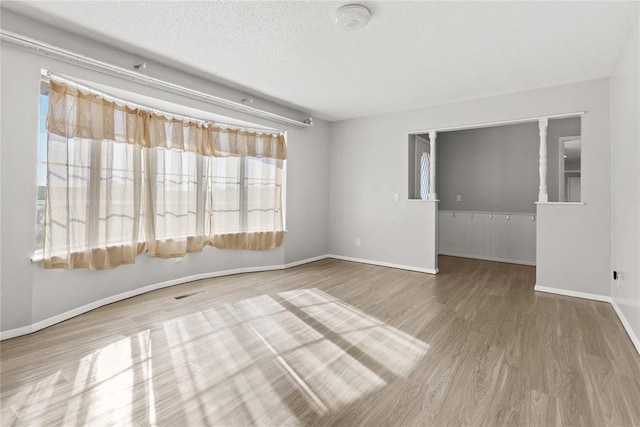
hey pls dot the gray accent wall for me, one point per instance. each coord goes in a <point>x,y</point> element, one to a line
<point>492,169</point>
<point>496,168</point>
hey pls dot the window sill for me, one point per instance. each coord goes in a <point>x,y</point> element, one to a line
<point>36,257</point>
<point>562,203</point>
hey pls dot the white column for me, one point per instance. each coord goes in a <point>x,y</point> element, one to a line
<point>543,196</point>
<point>432,166</point>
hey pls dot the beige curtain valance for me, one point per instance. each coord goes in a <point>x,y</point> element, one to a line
<point>74,113</point>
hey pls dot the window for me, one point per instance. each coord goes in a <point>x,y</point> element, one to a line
<point>121,180</point>
<point>419,159</point>
<point>424,176</point>
<point>569,161</point>
<point>42,168</point>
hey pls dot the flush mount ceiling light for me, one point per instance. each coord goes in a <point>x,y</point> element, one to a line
<point>352,17</point>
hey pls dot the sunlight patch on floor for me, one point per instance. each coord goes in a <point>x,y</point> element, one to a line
<point>268,359</point>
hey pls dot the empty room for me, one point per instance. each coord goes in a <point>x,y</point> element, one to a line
<point>316,213</point>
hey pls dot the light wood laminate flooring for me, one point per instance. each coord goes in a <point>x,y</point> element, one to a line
<point>332,343</point>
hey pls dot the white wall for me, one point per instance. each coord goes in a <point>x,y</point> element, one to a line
<point>625,184</point>
<point>31,294</point>
<point>368,164</point>
<point>573,241</point>
<point>503,237</point>
<point>368,161</point>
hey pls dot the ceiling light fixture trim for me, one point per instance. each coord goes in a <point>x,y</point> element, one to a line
<point>352,17</point>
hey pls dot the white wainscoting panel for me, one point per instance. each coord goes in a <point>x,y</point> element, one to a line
<point>506,237</point>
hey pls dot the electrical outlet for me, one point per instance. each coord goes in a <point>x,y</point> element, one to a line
<point>358,241</point>
<point>458,198</point>
<point>396,197</point>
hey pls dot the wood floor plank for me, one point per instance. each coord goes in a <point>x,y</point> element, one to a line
<point>331,343</point>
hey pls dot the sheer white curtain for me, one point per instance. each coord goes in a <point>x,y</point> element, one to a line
<point>94,182</point>
<point>174,202</point>
<point>249,207</point>
<point>124,180</point>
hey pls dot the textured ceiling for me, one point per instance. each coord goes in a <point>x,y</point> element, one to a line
<point>411,54</point>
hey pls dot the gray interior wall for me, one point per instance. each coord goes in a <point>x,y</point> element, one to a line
<point>572,242</point>
<point>368,164</point>
<point>625,184</point>
<point>572,165</point>
<point>368,161</point>
<point>492,169</point>
<point>30,294</point>
<point>307,192</point>
<point>496,168</point>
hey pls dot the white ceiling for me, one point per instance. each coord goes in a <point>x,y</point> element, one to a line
<point>411,54</point>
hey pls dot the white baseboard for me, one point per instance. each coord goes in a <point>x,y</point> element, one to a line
<point>596,297</point>
<point>627,326</point>
<point>34,327</point>
<point>12,333</point>
<point>306,261</point>
<point>568,293</point>
<point>24,330</point>
<point>488,258</point>
<point>385,264</point>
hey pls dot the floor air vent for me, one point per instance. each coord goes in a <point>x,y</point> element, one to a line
<point>186,295</point>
